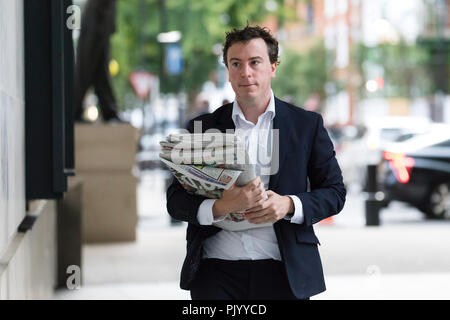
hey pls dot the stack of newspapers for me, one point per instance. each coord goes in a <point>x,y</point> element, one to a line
<point>206,164</point>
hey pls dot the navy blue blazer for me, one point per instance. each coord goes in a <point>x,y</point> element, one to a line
<point>305,152</point>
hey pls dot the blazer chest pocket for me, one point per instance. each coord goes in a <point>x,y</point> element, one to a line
<point>306,237</point>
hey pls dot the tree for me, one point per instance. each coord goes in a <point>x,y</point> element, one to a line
<point>302,74</point>
<point>404,69</point>
<point>203,24</point>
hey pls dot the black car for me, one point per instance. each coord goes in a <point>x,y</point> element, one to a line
<point>417,171</point>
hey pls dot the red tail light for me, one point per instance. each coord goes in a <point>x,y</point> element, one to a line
<point>401,165</point>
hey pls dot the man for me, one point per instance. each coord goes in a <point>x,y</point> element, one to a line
<point>92,63</point>
<point>280,261</point>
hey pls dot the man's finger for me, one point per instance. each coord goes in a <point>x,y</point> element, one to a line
<point>261,219</point>
<point>232,186</point>
<point>256,182</point>
<point>257,191</point>
<point>259,203</point>
<point>252,185</point>
<point>261,187</point>
<point>265,195</point>
<point>255,209</point>
<point>255,213</point>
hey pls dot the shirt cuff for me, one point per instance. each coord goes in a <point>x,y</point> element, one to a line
<point>298,211</point>
<point>205,215</point>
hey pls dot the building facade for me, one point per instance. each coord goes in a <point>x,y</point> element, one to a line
<point>30,149</point>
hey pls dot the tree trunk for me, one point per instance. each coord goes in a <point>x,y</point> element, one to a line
<point>192,97</point>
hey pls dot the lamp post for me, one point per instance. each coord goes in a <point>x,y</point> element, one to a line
<point>171,60</point>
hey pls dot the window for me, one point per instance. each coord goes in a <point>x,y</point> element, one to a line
<point>444,144</point>
<point>48,99</point>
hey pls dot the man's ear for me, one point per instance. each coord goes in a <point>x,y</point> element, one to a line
<point>273,67</point>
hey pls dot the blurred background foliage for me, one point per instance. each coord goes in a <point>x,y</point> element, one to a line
<point>203,24</point>
<point>407,69</point>
<point>302,74</point>
<point>403,68</point>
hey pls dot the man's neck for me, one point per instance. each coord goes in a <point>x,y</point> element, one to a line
<point>252,109</point>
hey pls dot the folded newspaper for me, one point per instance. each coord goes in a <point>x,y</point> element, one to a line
<point>207,164</point>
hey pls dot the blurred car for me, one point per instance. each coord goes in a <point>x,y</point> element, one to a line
<point>341,135</point>
<point>385,130</point>
<point>370,139</point>
<point>416,170</point>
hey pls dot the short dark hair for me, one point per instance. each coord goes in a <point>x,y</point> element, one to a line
<point>248,33</point>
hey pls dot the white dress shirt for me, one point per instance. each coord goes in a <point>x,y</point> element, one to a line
<point>256,243</point>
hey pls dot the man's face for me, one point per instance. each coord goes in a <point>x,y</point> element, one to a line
<point>250,71</point>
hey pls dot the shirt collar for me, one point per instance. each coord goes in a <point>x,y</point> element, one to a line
<point>237,111</point>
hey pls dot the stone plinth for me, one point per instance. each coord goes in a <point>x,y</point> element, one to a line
<point>104,158</point>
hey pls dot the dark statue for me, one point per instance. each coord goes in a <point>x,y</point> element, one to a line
<point>92,58</point>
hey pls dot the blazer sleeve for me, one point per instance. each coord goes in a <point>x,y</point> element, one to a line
<point>327,194</point>
<point>180,204</point>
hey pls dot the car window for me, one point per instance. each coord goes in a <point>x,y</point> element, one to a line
<point>390,134</point>
<point>444,144</point>
<point>404,137</point>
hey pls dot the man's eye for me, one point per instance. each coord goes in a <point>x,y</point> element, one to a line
<point>255,62</point>
<point>235,64</point>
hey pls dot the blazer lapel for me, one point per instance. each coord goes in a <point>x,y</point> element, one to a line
<point>225,121</point>
<point>280,145</point>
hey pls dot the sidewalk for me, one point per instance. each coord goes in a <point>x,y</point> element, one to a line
<point>149,268</point>
<point>132,271</point>
<point>387,287</point>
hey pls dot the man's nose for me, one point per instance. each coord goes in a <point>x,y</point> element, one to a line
<point>245,71</point>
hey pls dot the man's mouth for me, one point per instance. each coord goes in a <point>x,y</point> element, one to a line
<point>248,85</point>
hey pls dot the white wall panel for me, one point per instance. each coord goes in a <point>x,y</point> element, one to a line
<point>31,259</point>
<point>12,171</point>
<point>3,171</point>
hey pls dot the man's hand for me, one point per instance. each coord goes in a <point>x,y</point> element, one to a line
<point>273,209</point>
<point>237,199</point>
